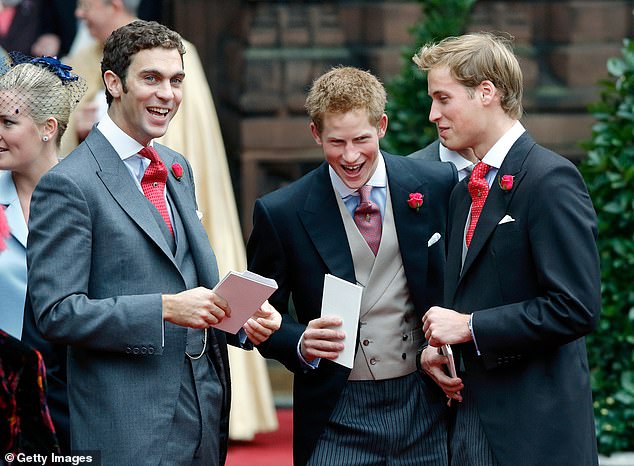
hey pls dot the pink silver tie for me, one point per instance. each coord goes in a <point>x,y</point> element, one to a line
<point>367,217</point>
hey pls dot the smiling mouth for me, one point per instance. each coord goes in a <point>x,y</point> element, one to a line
<point>352,169</point>
<point>158,112</point>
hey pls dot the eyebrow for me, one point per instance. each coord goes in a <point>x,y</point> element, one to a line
<point>180,74</point>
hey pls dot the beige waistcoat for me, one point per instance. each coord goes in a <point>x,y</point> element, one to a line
<point>389,332</point>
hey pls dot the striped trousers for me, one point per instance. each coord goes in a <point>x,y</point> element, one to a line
<point>394,422</point>
<point>468,442</point>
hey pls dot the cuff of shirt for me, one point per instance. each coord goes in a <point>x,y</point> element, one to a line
<point>305,364</point>
<point>242,337</point>
<point>475,342</point>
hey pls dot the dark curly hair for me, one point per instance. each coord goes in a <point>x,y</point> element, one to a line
<point>129,40</point>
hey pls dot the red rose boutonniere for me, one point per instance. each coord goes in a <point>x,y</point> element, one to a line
<point>506,182</point>
<point>177,171</point>
<point>415,201</point>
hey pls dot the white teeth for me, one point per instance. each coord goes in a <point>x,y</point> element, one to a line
<point>162,111</point>
<point>352,168</point>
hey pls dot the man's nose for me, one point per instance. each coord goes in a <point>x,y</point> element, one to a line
<point>164,90</point>
<point>434,114</point>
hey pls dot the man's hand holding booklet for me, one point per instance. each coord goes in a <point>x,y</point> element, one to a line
<point>245,292</point>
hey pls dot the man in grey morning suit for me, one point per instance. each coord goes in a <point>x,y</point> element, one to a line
<point>125,280</point>
<point>522,283</point>
<point>382,411</point>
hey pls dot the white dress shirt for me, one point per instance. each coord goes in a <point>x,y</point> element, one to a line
<point>128,150</point>
<point>350,197</point>
<point>463,165</point>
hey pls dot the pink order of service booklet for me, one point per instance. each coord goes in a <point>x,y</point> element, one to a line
<point>245,292</point>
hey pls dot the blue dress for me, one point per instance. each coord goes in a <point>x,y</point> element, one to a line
<point>12,260</point>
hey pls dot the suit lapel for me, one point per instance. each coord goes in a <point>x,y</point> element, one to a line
<point>184,203</point>
<point>496,205</point>
<point>118,181</point>
<point>457,222</point>
<point>323,224</point>
<point>412,227</point>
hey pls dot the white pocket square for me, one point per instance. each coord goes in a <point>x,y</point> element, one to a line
<point>200,214</point>
<point>434,239</point>
<point>506,219</point>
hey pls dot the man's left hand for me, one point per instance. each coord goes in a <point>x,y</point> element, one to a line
<point>435,364</point>
<point>263,324</point>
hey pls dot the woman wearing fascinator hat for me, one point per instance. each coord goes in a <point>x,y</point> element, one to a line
<point>37,96</point>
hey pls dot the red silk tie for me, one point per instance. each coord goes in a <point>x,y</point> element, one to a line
<point>153,183</point>
<point>367,217</point>
<point>479,189</point>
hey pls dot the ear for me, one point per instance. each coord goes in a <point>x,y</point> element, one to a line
<point>118,5</point>
<point>315,133</point>
<point>50,128</point>
<point>382,126</point>
<point>486,92</point>
<point>113,84</point>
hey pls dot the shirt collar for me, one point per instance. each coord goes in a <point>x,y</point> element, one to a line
<point>497,153</point>
<point>377,180</point>
<point>448,155</point>
<point>123,144</point>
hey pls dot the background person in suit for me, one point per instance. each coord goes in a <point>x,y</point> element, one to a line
<point>129,286</point>
<point>36,99</point>
<point>19,25</point>
<point>438,152</point>
<point>382,410</point>
<point>522,285</point>
<point>57,28</point>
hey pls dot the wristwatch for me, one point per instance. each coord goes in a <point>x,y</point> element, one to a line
<point>419,352</point>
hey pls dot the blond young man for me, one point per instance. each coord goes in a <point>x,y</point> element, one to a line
<point>522,284</point>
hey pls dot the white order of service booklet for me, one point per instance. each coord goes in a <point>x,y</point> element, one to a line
<point>245,292</point>
<point>343,299</point>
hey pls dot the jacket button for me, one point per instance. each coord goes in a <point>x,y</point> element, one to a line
<point>135,350</point>
<point>143,350</point>
<point>372,361</point>
<point>150,350</point>
<point>405,336</point>
<point>366,342</point>
<point>128,350</point>
<point>404,356</point>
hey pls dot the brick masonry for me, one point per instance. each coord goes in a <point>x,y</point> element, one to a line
<point>261,57</point>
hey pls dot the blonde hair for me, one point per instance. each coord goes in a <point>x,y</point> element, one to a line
<point>477,57</point>
<point>343,89</point>
<point>38,92</point>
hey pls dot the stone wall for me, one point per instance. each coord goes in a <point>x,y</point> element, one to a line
<point>261,57</point>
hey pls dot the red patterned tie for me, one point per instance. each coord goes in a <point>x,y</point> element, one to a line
<point>479,189</point>
<point>367,217</point>
<point>153,183</point>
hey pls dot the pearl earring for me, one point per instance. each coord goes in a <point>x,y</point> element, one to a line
<point>45,138</point>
